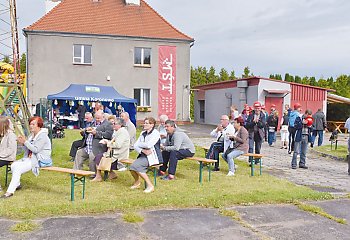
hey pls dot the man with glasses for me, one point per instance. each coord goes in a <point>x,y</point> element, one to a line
<point>220,133</point>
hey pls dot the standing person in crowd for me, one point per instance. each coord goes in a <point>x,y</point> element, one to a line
<point>347,126</point>
<point>81,114</point>
<point>303,126</point>
<point>220,133</point>
<point>161,128</point>
<point>266,114</point>
<point>245,113</point>
<point>148,147</point>
<point>291,129</point>
<point>319,126</point>
<point>37,154</point>
<point>239,145</point>
<point>288,109</point>
<point>255,125</point>
<point>89,121</point>
<point>233,112</point>
<point>177,147</point>
<point>8,143</point>
<point>102,129</point>
<point>284,130</point>
<point>272,124</point>
<point>119,148</point>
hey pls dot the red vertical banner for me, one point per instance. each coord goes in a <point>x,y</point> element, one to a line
<point>167,81</point>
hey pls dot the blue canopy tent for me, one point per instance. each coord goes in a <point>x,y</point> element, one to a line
<point>107,95</point>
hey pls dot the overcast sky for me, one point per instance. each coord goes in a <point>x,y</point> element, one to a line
<point>301,37</point>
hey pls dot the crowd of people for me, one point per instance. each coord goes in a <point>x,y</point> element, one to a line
<point>247,131</point>
<point>105,135</point>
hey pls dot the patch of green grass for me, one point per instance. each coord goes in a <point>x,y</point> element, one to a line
<point>319,211</point>
<point>230,213</point>
<point>132,217</point>
<point>341,151</point>
<point>25,226</point>
<point>50,191</point>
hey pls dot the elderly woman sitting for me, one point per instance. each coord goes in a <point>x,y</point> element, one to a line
<point>118,148</point>
<point>8,144</point>
<point>37,154</point>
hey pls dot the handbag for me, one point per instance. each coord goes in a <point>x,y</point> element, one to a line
<point>105,163</point>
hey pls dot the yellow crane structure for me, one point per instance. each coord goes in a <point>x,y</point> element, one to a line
<point>12,101</point>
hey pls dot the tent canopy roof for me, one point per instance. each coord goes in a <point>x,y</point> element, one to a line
<point>93,93</point>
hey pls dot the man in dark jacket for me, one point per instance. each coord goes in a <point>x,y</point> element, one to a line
<point>255,125</point>
<point>319,126</point>
<point>103,129</point>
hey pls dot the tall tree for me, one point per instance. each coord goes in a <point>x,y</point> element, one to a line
<point>246,72</point>
<point>22,63</point>
<point>232,75</point>
<point>313,81</point>
<point>223,75</point>
<point>7,59</point>
<point>297,79</point>
<point>212,77</point>
<point>342,86</point>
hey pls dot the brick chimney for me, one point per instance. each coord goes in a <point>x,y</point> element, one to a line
<point>132,2</point>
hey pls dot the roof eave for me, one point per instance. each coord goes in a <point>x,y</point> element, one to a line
<point>28,31</point>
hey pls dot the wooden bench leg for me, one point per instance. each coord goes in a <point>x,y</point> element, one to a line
<point>200,172</point>
<point>252,163</point>
<point>72,178</point>
<point>336,144</point>
<point>105,175</point>
<point>7,171</point>
<point>209,171</point>
<point>260,166</point>
<point>155,171</point>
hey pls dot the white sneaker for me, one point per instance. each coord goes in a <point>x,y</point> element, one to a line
<point>230,174</point>
<point>122,169</point>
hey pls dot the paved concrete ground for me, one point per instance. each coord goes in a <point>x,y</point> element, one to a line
<point>257,222</point>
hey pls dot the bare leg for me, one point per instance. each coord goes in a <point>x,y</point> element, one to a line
<point>112,175</point>
<point>136,177</point>
<point>149,184</point>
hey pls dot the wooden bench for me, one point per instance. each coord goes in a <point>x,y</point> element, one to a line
<point>335,141</point>
<point>76,176</point>
<point>7,171</point>
<point>153,168</point>
<point>202,162</point>
<point>206,149</point>
<point>254,157</point>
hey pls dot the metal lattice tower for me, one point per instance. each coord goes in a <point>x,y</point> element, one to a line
<point>13,83</point>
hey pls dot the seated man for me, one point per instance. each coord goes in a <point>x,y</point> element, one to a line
<point>177,146</point>
<point>89,121</point>
<point>119,146</point>
<point>102,129</point>
<point>221,133</point>
<point>130,127</point>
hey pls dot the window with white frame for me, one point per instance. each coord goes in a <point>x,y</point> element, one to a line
<point>143,97</point>
<point>142,56</point>
<point>81,54</point>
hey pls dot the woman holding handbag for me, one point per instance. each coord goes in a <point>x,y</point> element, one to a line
<point>118,148</point>
<point>148,147</point>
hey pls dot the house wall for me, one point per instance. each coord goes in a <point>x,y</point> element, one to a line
<point>50,67</point>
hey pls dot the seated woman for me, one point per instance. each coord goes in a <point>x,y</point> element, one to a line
<point>37,154</point>
<point>8,143</point>
<point>148,147</point>
<point>238,146</point>
<point>119,146</point>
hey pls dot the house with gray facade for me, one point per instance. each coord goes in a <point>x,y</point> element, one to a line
<point>121,43</point>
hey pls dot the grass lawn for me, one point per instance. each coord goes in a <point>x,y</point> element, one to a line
<point>341,151</point>
<point>49,193</point>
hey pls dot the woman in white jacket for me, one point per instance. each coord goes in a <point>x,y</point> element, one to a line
<point>8,143</point>
<point>37,154</point>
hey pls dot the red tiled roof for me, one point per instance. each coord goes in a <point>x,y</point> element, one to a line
<point>107,17</point>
